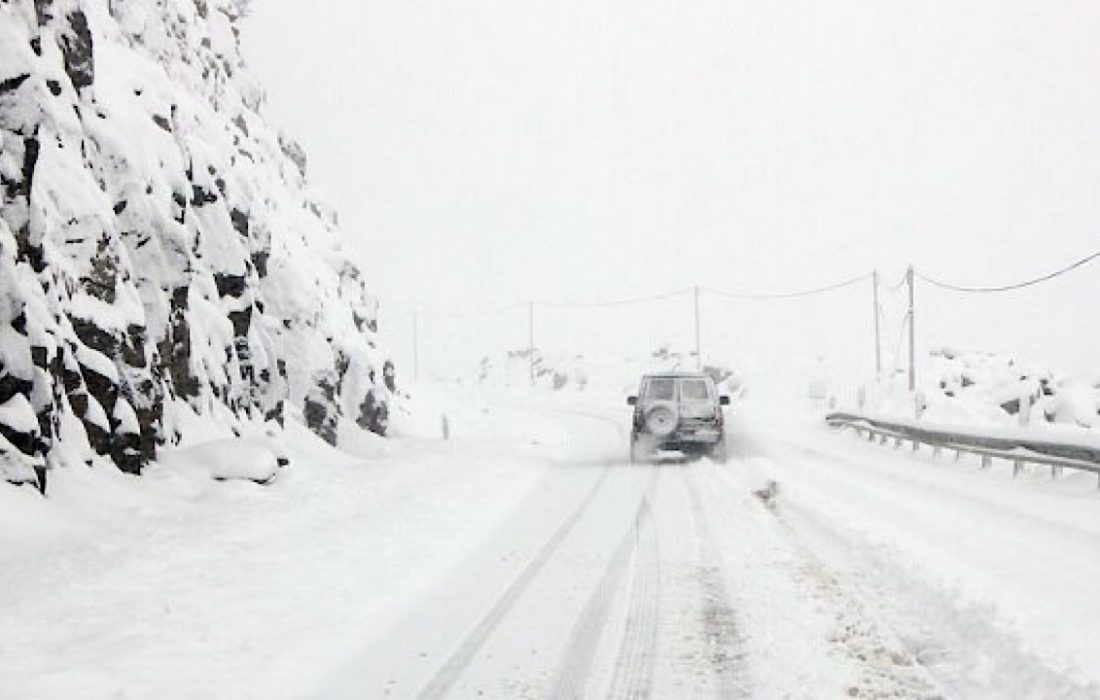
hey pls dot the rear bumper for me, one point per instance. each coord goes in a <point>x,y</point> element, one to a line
<point>696,439</point>
<point>691,441</point>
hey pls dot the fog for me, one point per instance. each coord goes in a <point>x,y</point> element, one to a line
<point>485,154</point>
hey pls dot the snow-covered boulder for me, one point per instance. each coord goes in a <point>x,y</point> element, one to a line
<point>158,241</point>
<point>971,389</point>
<point>255,458</point>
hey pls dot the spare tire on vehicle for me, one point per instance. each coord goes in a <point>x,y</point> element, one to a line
<point>661,421</point>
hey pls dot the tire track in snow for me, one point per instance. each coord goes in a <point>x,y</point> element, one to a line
<point>948,493</point>
<point>633,675</point>
<point>720,629</point>
<point>573,671</point>
<point>962,648</point>
<point>886,667</point>
<point>440,684</point>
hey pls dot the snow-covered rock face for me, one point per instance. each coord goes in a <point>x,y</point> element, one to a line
<point>158,244</point>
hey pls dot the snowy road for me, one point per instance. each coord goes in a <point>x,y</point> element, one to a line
<point>869,574</point>
<point>525,558</point>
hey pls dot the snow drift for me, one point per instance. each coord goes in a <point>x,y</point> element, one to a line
<point>159,247</point>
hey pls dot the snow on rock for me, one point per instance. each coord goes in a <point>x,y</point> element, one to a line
<point>977,389</point>
<point>18,434</point>
<point>159,245</point>
<point>17,416</point>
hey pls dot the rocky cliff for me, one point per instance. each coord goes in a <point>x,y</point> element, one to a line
<point>160,252</point>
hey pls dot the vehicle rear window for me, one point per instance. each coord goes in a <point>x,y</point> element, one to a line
<point>694,390</point>
<point>661,389</point>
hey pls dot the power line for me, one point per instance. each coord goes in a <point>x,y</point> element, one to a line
<point>503,308</point>
<point>546,303</point>
<point>467,313</point>
<point>626,301</point>
<point>614,302</point>
<point>652,297</point>
<point>749,295</point>
<point>789,295</point>
<point>1009,287</point>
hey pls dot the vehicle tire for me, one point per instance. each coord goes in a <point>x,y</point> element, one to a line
<point>635,449</point>
<point>718,451</point>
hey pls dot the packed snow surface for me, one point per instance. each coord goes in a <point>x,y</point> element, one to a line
<point>523,557</point>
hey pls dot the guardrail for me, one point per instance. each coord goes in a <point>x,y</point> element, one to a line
<point>1017,448</point>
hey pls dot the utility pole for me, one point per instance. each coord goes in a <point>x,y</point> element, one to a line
<point>878,331</point>
<point>912,333</point>
<point>531,340</point>
<point>698,348</point>
<point>416,346</point>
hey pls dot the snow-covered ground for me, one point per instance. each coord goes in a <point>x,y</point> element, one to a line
<point>524,558</point>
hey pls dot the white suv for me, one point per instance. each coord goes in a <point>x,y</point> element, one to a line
<point>679,411</point>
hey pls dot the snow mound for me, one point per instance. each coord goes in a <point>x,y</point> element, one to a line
<point>256,459</point>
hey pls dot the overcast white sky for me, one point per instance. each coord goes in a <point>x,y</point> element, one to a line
<point>487,151</point>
